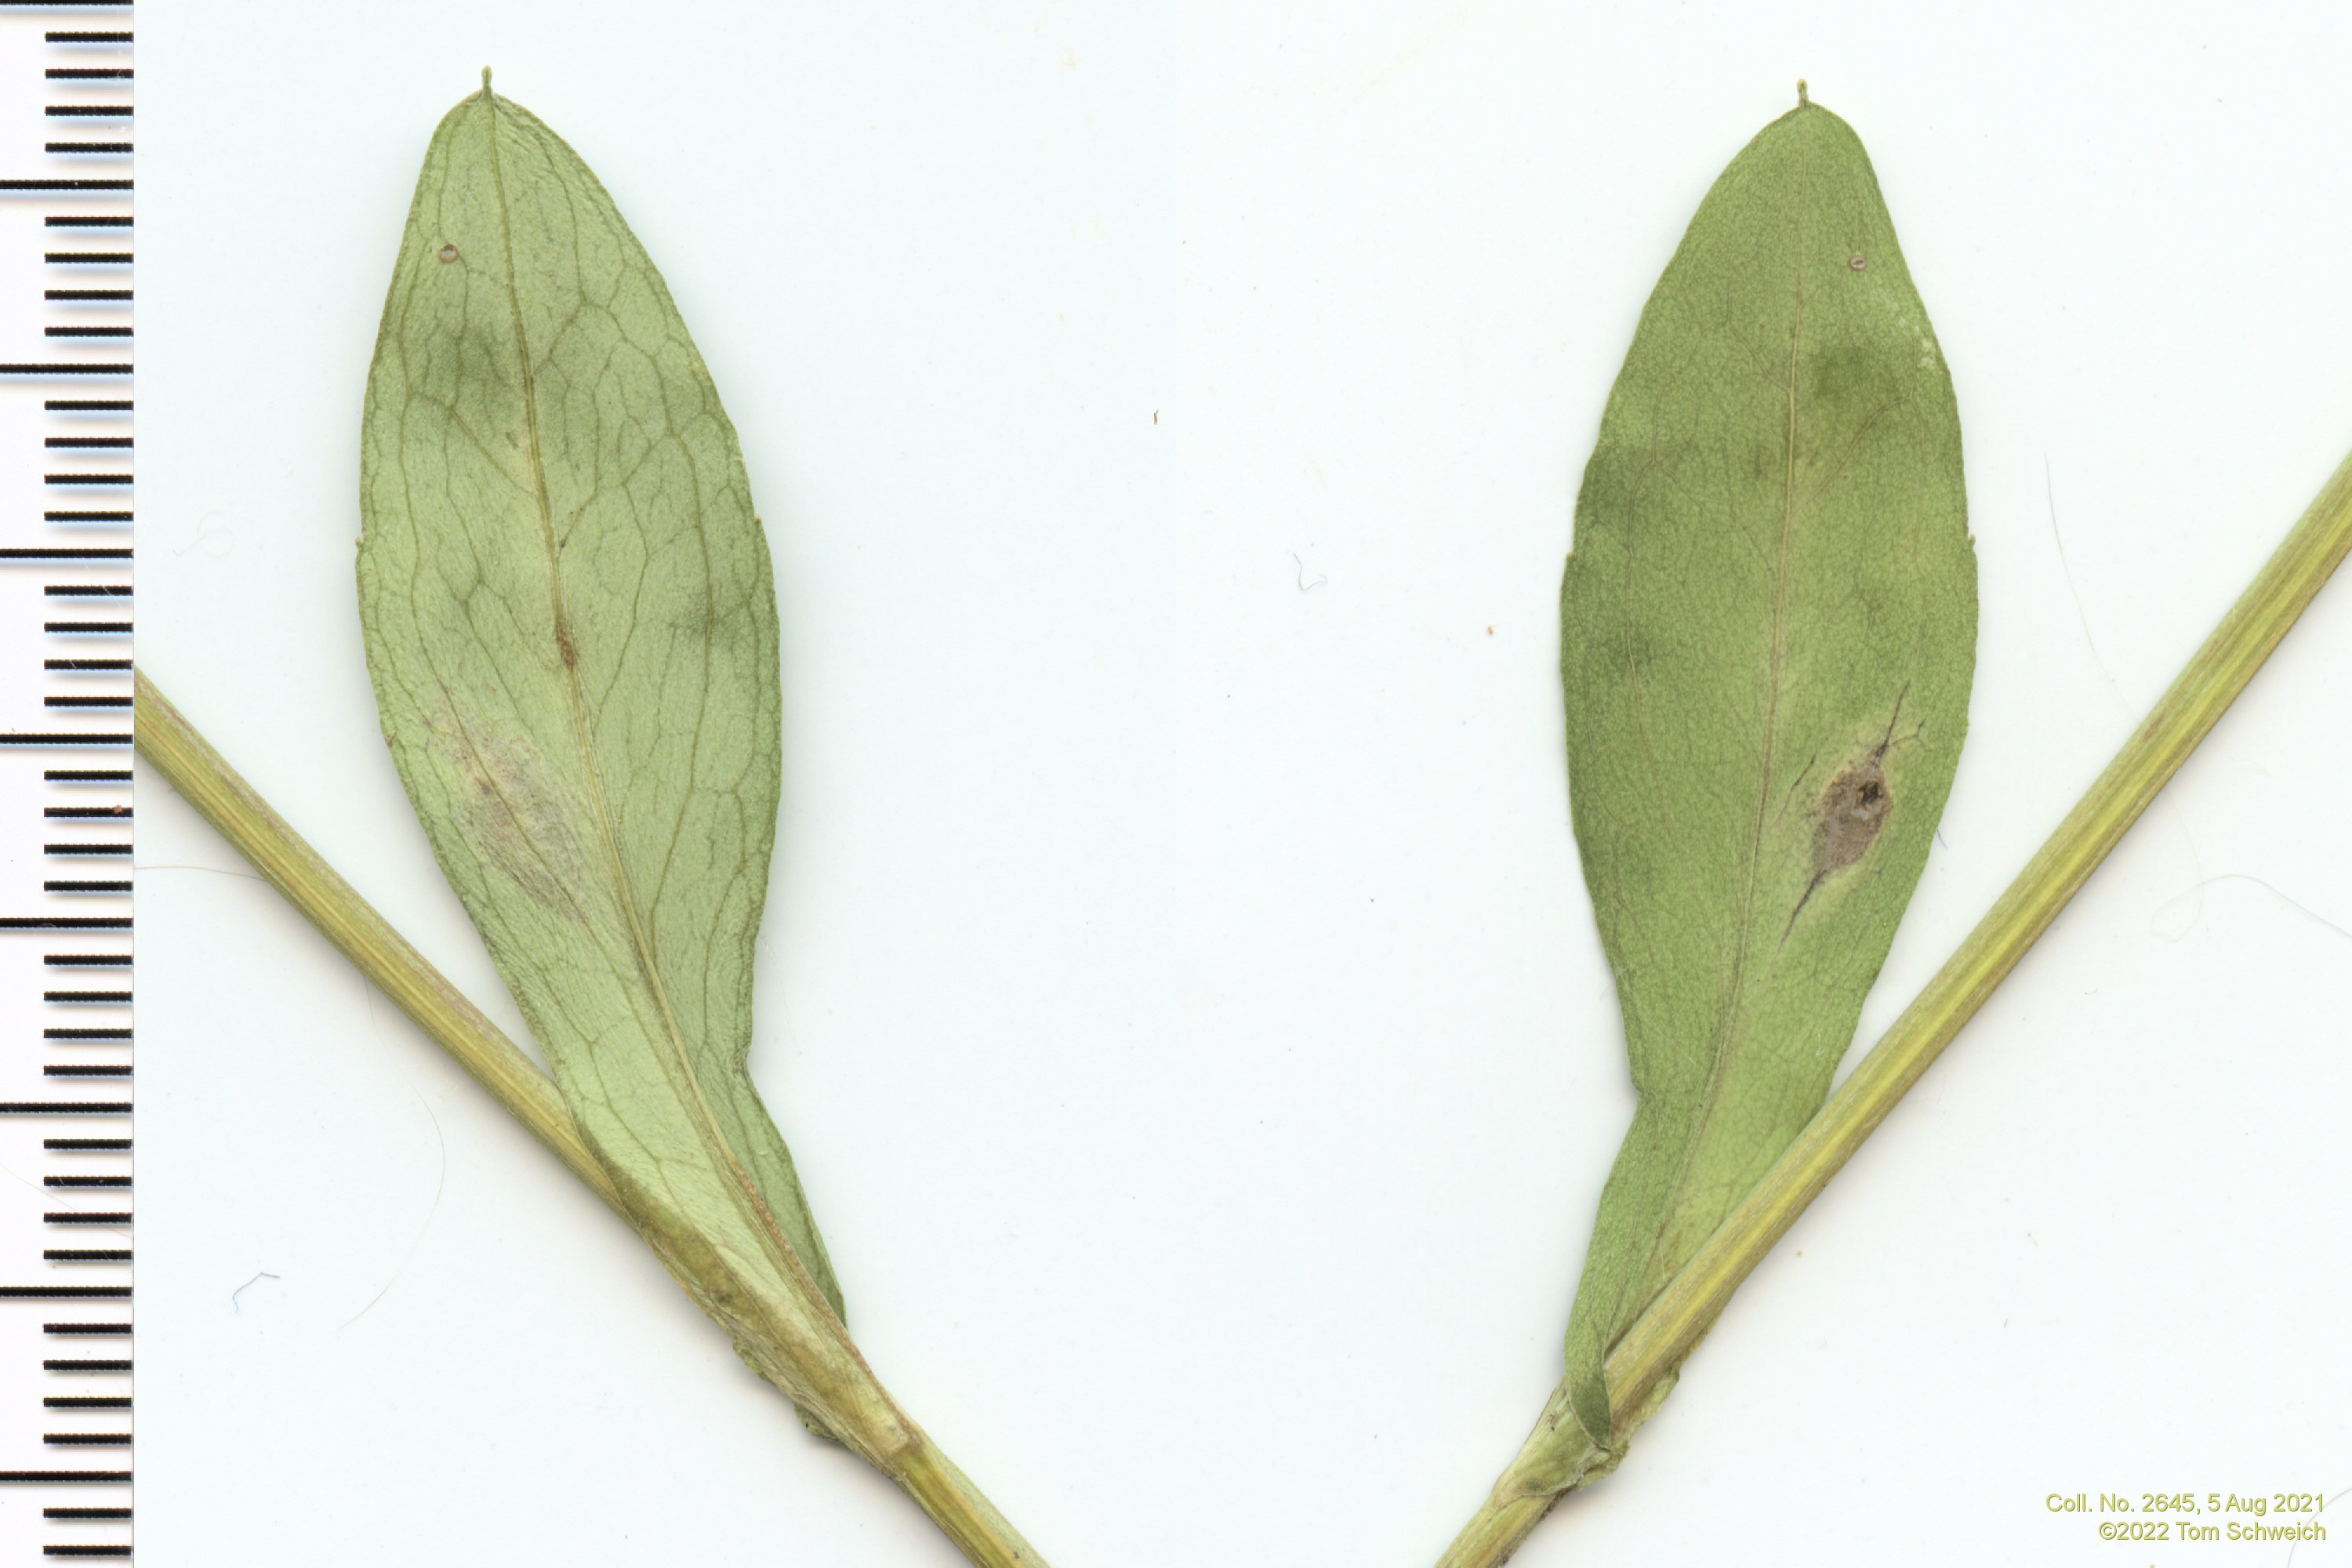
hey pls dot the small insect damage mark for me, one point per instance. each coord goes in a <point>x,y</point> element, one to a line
<point>1857,261</point>
<point>563,644</point>
<point>1851,812</point>
<point>449,253</point>
<point>1852,809</point>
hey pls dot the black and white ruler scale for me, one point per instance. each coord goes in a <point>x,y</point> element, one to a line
<point>66,406</point>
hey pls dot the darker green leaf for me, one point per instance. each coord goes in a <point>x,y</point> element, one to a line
<point>1768,632</point>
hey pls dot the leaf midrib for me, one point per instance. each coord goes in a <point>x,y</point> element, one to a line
<point>1720,1060</point>
<point>577,701</point>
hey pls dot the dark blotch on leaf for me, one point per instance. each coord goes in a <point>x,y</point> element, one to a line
<point>1852,809</point>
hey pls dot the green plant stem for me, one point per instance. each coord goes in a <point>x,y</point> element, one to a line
<point>174,748</point>
<point>1557,1458</point>
<point>811,1351</point>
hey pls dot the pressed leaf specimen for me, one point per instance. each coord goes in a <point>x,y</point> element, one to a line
<point>1767,625</point>
<point>1768,629</point>
<point>571,632</point>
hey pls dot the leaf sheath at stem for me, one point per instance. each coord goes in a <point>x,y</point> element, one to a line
<point>819,1354</point>
<point>1557,1458</point>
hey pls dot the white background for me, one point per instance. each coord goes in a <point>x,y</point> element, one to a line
<point>1177,984</point>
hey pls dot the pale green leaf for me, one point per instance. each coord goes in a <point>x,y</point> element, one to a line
<point>1768,628</point>
<point>572,630</point>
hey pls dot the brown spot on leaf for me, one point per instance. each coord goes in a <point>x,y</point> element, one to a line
<point>563,644</point>
<point>1850,813</point>
<point>1852,809</point>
